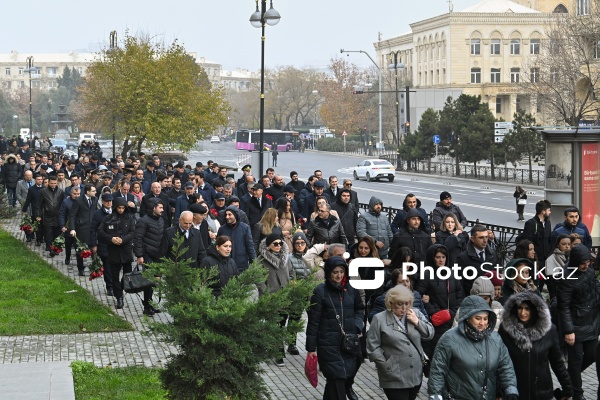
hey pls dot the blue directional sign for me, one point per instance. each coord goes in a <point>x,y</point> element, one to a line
<point>436,139</point>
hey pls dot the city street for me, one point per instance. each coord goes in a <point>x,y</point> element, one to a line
<point>489,202</point>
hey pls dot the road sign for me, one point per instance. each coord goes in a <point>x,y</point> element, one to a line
<point>501,131</point>
<point>498,139</point>
<point>507,125</point>
<point>344,134</point>
<point>436,139</point>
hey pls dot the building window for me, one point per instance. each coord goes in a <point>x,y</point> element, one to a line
<point>52,84</point>
<point>534,75</point>
<point>597,50</point>
<point>534,46</point>
<point>475,75</point>
<point>35,84</point>
<point>21,70</point>
<point>553,75</point>
<point>475,46</point>
<point>495,47</point>
<point>51,71</point>
<point>21,84</point>
<point>498,105</point>
<point>495,78</point>
<point>515,46</point>
<point>514,75</point>
<point>583,7</point>
<point>7,71</point>
<point>80,70</point>
<point>7,84</point>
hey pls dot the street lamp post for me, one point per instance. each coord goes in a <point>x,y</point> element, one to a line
<point>380,80</point>
<point>395,65</point>
<point>30,69</point>
<point>15,125</point>
<point>315,92</point>
<point>259,19</point>
<point>112,47</point>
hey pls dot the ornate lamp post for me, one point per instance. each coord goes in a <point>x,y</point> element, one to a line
<point>395,65</point>
<point>112,47</point>
<point>30,68</point>
<point>259,19</point>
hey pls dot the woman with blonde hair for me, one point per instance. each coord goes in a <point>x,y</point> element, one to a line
<point>268,224</point>
<point>394,344</point>
<point>452,236</point>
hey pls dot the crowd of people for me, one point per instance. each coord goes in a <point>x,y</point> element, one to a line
<point>484,336</point>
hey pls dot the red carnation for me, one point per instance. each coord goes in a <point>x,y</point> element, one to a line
<point>268,196</point>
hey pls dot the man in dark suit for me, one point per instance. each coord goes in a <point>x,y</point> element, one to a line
<point>80,220</point>
<point>333,190</point>
<point>192,241</point>
<point>258,204</point>
<point>353,194</point>
<point>156,192</point>
<point>124,192</point>
<point>34,196</point>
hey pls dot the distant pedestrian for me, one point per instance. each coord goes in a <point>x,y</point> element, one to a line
<point>521,200</point>
<point>275,153</point>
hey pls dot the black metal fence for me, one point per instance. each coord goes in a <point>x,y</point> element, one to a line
<point>505,235</point>
<point>501,174</point>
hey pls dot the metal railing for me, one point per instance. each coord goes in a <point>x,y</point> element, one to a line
<point>484,173</point>
<point>505,235</point>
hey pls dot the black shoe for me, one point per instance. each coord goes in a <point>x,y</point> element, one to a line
<point>156,310</point>
<point>109,292</point>
<point>53,254</point>
<point>119,303</point>
<point>67,260</point>
<point>293,350</point>
<point>81,273</point>
<point>279,362</point>
<point>148,311</point>
<point>29,240</point>
<point>351,394</point>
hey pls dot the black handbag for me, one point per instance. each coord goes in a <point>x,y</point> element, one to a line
<point>135,282</point>
<point>350,341</point>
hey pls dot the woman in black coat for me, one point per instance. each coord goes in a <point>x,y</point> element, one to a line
<point>439,294</point>
<point>452,236</point>
<point>117,231</point>
<point>219,256</point>
<point>520,194</point>
<point>533,345</point>
<point>11,174</point>
<point>324,335</point>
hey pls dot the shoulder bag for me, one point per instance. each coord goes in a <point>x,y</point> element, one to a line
<point>442,316</point>
<point>135,282</point>
<point>350,341</point>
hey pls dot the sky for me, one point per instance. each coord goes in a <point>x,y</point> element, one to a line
<point>309,34</point>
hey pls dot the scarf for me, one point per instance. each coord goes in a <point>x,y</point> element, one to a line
<point>476,335</point>
<point>529,285</point>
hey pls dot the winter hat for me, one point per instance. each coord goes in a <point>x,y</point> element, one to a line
<point>107,197</point>
<point>495,280</point>
<point>413,212</point>
<point>197,209</point>
<point>299,236</point>
<point>445,195</point>
<point>483,286</point>
<point>272,237</point>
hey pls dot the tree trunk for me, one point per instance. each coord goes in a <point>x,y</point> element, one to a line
<point>530,169</point>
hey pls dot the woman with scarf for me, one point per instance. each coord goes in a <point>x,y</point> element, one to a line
<point>470,360</point>
<point>533,345</point>
<point>336,307</point>
<point>518,277</point>
<point>556,261</point>
<point>273,254</point>
<point>219,256</point>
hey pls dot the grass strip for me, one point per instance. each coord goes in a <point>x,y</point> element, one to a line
<point>128,383</point>
<point>37,299</point>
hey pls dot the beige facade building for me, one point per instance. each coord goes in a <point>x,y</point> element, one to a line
<point>482,50</point>
<point>48,67</point>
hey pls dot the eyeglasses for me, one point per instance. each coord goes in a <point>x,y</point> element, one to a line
<point>277,244</point>
<point>300,243</point>
<point>347,184</point>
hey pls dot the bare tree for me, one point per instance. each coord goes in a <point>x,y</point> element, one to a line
<point>564,76</point>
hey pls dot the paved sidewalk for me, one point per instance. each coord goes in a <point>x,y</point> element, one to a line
<point>37,366</point>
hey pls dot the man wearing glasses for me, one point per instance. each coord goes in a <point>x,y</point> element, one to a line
<point>353,194</point>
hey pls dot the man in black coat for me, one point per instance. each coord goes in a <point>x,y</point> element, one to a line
<point>34,195</point>
<point>276,189</point>
<point>80,220</point>
<point>412,234</point>
<point>333,191</point>
<point>98,246</point>
<point>192,241</point>
<point>477,253</point>
<point>308,205</point>
<point>578,317</point>
<point>156,193</point>
<point>410,201</point>
<point>347,213</point>
<point>353,194</point>
<point>258,204</point>
<point>48,208</point>
<point>296,183</point>
<point>124,191</point>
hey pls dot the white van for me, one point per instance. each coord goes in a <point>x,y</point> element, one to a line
<point>87,136</point>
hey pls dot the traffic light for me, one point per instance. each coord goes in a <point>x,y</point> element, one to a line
<point>407,127</point>
<point>357,92</point>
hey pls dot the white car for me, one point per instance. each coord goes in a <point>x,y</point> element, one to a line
<point>215,139</point>
<point>375,169</point>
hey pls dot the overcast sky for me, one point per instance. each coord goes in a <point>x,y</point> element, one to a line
<point>310,32</point>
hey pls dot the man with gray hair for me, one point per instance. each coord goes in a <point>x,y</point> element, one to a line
<point>192,241</point>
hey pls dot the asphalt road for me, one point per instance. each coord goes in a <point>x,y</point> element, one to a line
<point>489,202</point>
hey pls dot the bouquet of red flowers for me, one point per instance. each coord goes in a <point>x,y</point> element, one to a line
<point>268,196</point>
<point>298,225</point>
<point>58,244</point>
<point>82,249</point>
<point>28,225</point>
<point>214,212</point>
<point>96,268</point>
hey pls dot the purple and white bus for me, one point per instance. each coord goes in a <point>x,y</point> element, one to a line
<point>250,139</point>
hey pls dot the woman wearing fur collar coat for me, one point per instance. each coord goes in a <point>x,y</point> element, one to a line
<point>533,345</point>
